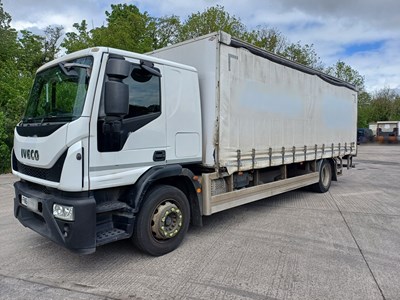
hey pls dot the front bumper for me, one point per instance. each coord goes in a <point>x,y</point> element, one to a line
<point>78,236</point>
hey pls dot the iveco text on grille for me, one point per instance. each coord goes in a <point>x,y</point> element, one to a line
<point>30,154</point>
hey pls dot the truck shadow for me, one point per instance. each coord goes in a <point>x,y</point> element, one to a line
<point>125,249</point>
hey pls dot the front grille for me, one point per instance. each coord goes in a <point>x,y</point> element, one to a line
<point>51,174</point>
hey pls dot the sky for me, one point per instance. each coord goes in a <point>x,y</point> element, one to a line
<point>363,33</point>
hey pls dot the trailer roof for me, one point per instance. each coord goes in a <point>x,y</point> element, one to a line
<point>228,40</point>
<point>237,43</point>
<point>387,122</point>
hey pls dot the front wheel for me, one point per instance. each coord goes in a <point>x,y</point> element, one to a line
<point>163,220</point>
<point>325,178</point>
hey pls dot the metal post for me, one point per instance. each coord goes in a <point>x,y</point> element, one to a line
<point>294,154</point>
<point>238,159</point>
<point>253,157</point>
<point>316,150</point>
<point>270,156</point>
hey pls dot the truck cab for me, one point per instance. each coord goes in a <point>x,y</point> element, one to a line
<point>98,121</point>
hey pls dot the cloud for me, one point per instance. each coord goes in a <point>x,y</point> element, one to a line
<point>27,14</point>
<point>334,27</point>
<point>338,29</point>
<point>381,67</point>
<point>379,14</point>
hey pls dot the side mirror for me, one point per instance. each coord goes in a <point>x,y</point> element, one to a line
<point>116,97</point>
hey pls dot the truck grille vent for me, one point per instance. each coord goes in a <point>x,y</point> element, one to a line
<point>52,174</point>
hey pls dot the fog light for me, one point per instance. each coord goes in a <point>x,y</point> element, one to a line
<point>63,212</point>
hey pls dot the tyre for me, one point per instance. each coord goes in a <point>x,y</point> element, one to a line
<point>325,178</point>
<point>163,220</point>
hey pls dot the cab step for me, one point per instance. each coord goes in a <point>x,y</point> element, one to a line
<point>111,206</point>
<point>111,235</point>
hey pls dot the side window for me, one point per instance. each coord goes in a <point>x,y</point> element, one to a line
<point>144,93</point>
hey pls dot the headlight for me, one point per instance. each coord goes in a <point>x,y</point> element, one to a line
<point>63,212</point>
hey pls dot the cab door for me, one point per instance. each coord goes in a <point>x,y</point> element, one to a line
<point>118,159</point>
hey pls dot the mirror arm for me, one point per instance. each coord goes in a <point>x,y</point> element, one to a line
<point>149,67</point>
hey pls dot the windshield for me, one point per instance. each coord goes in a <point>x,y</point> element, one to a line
<point>58,93</point>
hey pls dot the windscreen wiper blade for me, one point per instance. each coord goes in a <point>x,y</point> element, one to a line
<point>48,119</point>
<point>76,65</point>
<point>68,68</point>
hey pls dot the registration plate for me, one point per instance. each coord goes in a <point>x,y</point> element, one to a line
<point>30,203</point>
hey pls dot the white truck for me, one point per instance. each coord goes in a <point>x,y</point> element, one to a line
<point>388,131</point>
<point>116,145</point>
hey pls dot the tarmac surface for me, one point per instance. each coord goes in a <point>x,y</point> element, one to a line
<point>344,244</point>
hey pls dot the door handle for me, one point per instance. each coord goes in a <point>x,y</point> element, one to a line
<point>159,155</point>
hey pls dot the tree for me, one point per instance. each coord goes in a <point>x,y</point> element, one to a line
<point>51,47</point>
<point>269,39</point>
<point>166,31</point>
<point>8,36</point>
<point>395,115</point>
<point>303,54</point>
<point>30,51</point>
<point>18,56</point>
<point>364,109</point>
<point>211,20</point>
<point>127,29</point>
<point>346,73</point>
<point>80,40</point>
<point>380,109</point>
<point>8,48</point>
<point>14,89</point>
<point>4,149</point>
<point>384,105</point>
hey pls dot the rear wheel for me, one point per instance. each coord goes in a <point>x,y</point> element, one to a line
<point>163,220</point>
<point>325,178</point>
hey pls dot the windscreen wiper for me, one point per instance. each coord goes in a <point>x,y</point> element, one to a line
<point>48,119</point>
<point>68,68</point>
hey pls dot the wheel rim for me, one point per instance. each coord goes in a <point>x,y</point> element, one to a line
<point>325,175</point>
<point>167,221</point>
